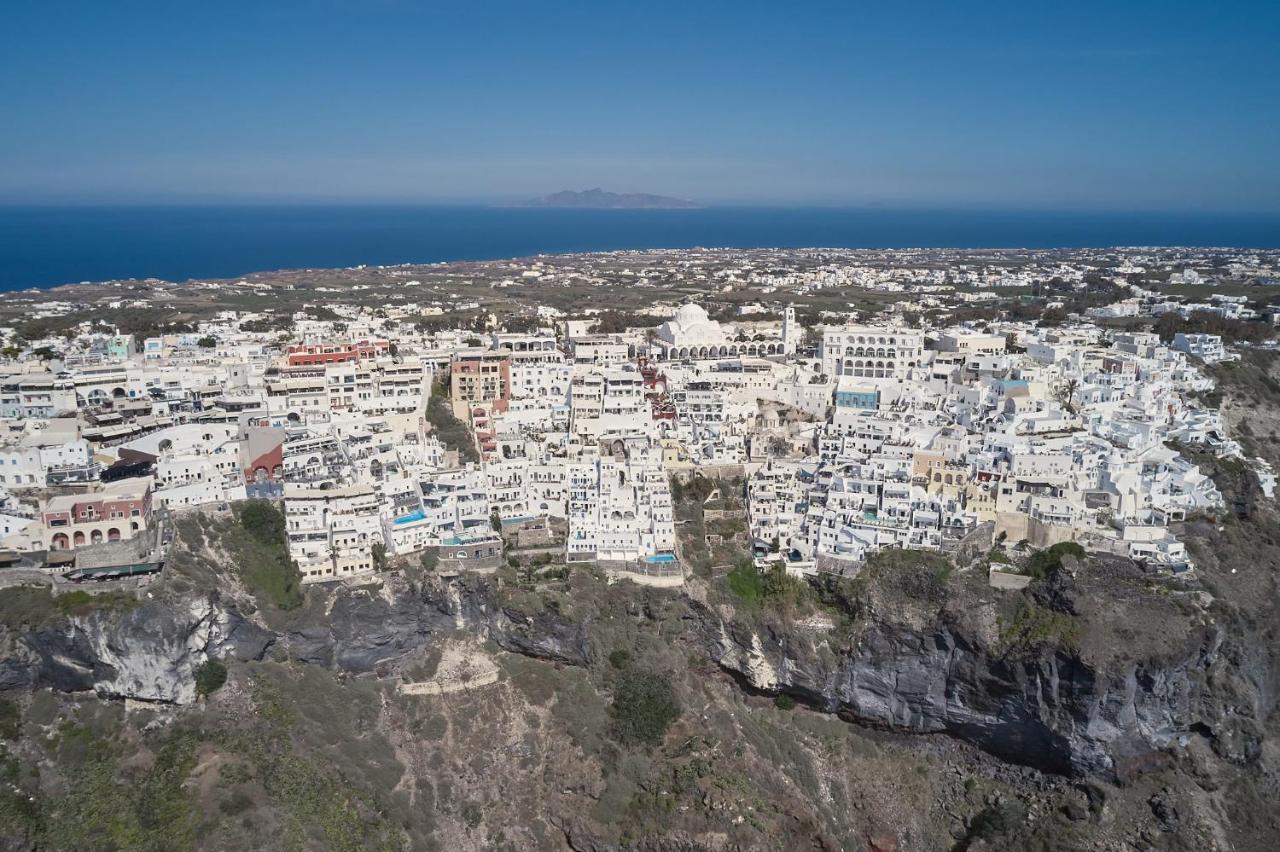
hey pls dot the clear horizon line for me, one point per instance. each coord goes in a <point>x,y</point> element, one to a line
<point>213,202</point>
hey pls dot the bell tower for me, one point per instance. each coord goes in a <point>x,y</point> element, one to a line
<point>790,331</point>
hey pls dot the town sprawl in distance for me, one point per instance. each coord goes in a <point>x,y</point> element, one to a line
<point>671,549</point>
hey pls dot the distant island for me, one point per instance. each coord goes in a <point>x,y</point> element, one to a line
<point>599,199</point>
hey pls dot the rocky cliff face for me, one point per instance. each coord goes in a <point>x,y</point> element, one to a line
<point>1080,710</point>
<point>1051,711</point>
<point>149,653</point>
<point>363,630</point>
<point>1102,706</point>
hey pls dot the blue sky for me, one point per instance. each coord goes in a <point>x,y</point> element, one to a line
<point>1131,105</point>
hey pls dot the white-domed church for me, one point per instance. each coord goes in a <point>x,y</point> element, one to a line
<point>694,335</point>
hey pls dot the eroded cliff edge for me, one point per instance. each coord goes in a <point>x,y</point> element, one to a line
<point>1099,672</point>
<point>1089,672</point>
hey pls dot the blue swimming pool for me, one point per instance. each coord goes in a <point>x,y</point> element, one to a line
<point>415,515</point>
<point>661,557</point>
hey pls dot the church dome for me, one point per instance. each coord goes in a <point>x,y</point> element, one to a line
<point>690,316</point>
<point>692,327</point>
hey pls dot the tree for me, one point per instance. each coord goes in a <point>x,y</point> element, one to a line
<point>324,313</point>
<point>1053,317</point>
<point>379,554</point>
<point>207,342</point>
<point>210,676</point>
<point>1066,394</point>
<point>263,521</point>
<point>677,490</point>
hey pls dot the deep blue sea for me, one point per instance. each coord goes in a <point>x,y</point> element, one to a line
<point>46,246</point>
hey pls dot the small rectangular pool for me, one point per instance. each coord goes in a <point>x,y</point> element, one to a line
<point>415,515</point>
<point>661,557</point>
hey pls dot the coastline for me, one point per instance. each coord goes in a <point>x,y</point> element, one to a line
<point>47,247</point>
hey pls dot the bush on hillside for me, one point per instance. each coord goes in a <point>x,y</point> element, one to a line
<point>210,676</point>
<point>644,706</point>
<point>1044,562</point>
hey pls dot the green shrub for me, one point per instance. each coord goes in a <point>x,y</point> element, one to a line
<point>1043,562</point>
<point>1032,626</point>
<point>82,603</point>
<point>920,575</point>
<point>644,706</point>
<point>745,582</point>
<point>451,431</point>
<point>620,658</point>
<point>24,608</point>
<point>784,702</point>
<point>772,588</point>
<point>262,520</point>
<point>210,676</point>
<point>10,720</point>
<point>996,822</point>
<point>260,552</point>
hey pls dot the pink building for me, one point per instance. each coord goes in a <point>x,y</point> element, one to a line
<point>119,511</point>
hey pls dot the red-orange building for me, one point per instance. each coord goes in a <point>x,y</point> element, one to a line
<point>479,376</point>
<point>319,354</point>
<point>119,511</point>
